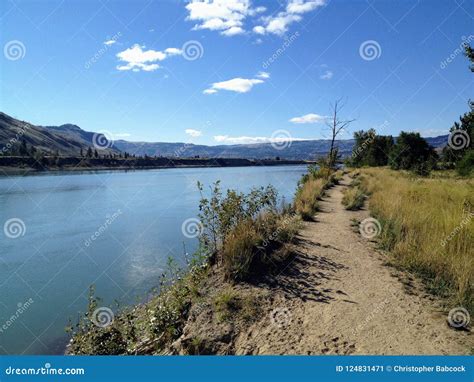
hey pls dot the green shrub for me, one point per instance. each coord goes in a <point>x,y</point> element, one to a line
<point>465,167</point>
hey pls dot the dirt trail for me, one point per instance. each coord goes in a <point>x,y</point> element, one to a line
<point>338,297</point>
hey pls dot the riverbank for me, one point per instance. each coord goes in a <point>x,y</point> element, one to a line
<point>331,291</point>
<point>25,165</point>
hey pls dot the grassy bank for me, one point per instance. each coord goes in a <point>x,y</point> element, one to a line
<point>311,189</point>
<point>427,224</point>
<point>245,239</point>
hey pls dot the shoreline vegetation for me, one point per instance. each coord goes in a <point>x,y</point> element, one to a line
<point>247,239</point>
<point>421,220</point>
<point>24,165</point>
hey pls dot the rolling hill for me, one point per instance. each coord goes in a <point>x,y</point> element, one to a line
<point>69,139</point>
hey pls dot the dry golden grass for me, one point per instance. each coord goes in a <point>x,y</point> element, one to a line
<point>353,198</point>
<point>306,201</point>
<point>428,224</point>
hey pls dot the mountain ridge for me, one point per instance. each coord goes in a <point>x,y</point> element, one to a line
<point>68,139</point>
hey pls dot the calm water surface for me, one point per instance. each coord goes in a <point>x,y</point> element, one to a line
<point>135,218</point>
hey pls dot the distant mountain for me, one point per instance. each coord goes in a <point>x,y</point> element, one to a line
<point>65,139</point>
<point>297,150</point>
<point>69,139</point>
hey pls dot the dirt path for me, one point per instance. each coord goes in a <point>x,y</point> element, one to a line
<point>337,297</point>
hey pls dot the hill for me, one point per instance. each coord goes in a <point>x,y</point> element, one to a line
<point>69,139</point>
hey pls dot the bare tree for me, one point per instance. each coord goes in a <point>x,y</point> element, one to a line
<point>336,126</point>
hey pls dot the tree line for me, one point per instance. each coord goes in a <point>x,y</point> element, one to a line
<point>409,151</point>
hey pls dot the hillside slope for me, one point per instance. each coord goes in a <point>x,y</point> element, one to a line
<point>68,140</point>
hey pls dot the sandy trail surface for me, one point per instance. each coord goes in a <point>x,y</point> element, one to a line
<point>338,297</point>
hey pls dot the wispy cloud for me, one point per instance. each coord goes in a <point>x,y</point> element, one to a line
<point>137,58</point>
<point>110,42</point>
<point>250,140</point>
<point>229,16</point>
<point>327,75</point>
<point>226,16</point>
<point>238,85</point>
<point>193,133</point>
<point>280,23</point>
<point>308,118</point>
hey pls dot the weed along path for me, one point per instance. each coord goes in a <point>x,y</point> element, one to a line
<point>338,297</point>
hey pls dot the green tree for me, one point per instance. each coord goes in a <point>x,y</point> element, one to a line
<point>371,149</point>
<point>412,152</point>
<point>23,150</point>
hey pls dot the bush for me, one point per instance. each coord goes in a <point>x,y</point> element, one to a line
<point>465,167</point>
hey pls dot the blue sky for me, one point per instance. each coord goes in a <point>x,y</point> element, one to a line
<point>127,67</point>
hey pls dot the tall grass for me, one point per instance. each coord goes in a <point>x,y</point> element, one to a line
<point>307,196</point>
<point>428,224</point>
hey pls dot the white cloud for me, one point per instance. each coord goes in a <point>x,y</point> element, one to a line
<point>226,16</point>
<point>238,85</point>
<point>280,23</point>
<point>308,118</point>
<point>110,42</point>
<point>249,140</point>
<point>263,75</point>
<point>193,133</point>
<point>327,75</point>
<point>302,6</point>
<point>137,58</point>
<point>233,31</point>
